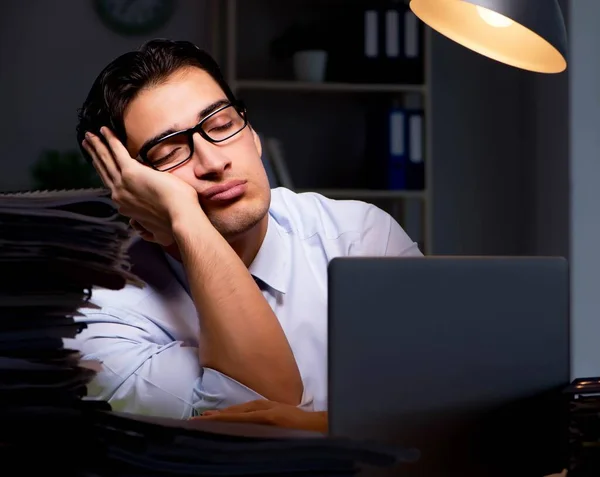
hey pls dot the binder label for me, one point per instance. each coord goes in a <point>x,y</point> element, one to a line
<point>392,35</point>
<point>415,125</point>
<point>397,133</point>
<point>371,34</point>
<point>411,35</point>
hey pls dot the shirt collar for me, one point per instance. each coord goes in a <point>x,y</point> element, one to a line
<point>271,264</point>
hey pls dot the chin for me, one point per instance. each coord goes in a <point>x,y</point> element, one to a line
<point>238,218</point>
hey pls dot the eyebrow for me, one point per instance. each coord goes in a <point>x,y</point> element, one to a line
<point>201,115</point>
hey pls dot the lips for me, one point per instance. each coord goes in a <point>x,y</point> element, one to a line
<point>227,191</point>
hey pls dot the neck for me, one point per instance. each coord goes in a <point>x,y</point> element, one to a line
<point>245,245</point>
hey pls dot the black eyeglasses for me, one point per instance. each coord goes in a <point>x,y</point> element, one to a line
<point>178,147</point>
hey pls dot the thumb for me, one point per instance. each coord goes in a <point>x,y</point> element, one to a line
<point>142,231</point>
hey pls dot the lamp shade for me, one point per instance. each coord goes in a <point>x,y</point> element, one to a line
<point>527,34</point>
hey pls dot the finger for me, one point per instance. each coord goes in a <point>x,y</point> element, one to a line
<point>98,165</point>
<point>105,156</point>
<point>142,231</point>
<point>148,237</point>
<point>256,417</point>
<point>120,153</point>
<point>140,226</point>
<point>137,226</point>
<point>258,405</point>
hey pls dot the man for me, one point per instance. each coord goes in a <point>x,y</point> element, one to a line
<point>234,307</point>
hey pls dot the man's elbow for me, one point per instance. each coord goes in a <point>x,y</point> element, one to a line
<point>282,387</point>
<point>287,392</point>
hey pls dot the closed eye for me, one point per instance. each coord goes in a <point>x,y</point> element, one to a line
<point>158,162</point>
<point>223,127</point>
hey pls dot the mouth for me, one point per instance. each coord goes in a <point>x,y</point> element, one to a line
<point>224,192</point>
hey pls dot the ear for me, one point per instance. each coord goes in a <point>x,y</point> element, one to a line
<point>257,142</point>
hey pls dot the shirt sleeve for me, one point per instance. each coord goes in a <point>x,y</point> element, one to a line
<point>145,372</point>
<point>382,235</point>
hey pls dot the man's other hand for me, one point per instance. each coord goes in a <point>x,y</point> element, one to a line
<point>270,413</point>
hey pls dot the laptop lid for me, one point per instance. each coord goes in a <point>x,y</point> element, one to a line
<point>461,357</point>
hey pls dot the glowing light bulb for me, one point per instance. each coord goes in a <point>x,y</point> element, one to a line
<point>494,19</point>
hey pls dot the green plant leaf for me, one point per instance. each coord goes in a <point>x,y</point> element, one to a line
<point>63,170</point>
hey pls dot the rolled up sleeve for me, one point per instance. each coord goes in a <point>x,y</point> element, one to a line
<point>145,371</point>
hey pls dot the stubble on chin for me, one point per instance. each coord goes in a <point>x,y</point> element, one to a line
<point>233,224</point>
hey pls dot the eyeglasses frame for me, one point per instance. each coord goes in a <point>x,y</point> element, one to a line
<point>237,105</point>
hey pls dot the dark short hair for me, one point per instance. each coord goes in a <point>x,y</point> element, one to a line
<point>120,82</point>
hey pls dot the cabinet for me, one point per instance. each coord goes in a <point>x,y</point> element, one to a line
<point>325,127</point>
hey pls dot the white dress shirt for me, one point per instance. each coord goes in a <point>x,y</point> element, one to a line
<point>147,337</point>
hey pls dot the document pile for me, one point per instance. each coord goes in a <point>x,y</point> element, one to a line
<point>584,427</point>
<point>54,248</point>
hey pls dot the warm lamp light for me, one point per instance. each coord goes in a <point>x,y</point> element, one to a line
<point>493,19</point>
<point>527,34</point>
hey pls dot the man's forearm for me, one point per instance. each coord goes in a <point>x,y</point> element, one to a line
<point>240,335</point>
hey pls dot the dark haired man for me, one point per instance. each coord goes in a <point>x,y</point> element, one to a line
<point>234,309</point>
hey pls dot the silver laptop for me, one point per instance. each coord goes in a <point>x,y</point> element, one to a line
<point>463,358</point>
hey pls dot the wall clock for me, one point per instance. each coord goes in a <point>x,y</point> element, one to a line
<point>134,17</point>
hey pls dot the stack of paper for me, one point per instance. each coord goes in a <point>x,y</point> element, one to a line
<point>54,248</point>
<point>584,427</point>
<point>102,444</point>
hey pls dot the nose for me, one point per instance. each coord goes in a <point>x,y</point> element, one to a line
<point>209,160</point>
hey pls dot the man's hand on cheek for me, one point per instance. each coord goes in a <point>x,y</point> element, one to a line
<point>151,199</point>
<point>160,237</point>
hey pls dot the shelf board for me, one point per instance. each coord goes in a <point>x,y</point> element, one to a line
<point>368,194</point>
<point>328,87</point>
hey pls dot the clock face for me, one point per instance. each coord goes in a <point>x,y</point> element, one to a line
<point>134,17</point>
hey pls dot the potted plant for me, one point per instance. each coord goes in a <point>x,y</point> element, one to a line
<point>306,45</point>
<point>58,170</point>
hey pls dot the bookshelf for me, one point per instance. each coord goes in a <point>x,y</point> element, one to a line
<point>320,124</point>
<point>368,194</point>
<point>326,87</point>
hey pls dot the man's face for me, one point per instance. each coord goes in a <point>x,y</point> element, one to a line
<point>175,105</point>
